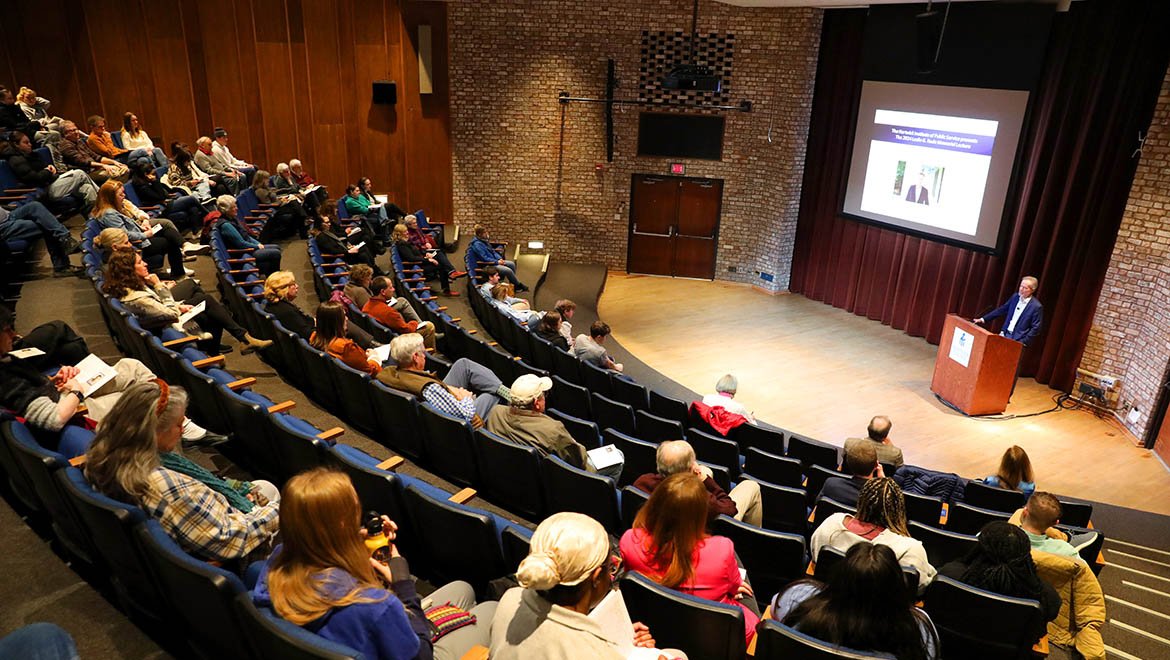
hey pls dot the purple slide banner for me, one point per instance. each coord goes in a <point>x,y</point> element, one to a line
<point>932,139</point>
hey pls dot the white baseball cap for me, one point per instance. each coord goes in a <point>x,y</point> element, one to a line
<point>528,387</point>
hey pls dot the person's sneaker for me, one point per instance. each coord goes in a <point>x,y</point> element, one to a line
<point>520,288</point>
<point>224,349</point>
<point>451,294</point>
<point>208,439</point>
<point>195,248</point>
<point>69,271</point>
<point>456,274</point>
<point>187,258</point>
<point>71,245</point>
<point>188,271</point>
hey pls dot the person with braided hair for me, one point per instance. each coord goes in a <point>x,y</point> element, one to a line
<point>1002,563</point>
<point>881,519</point>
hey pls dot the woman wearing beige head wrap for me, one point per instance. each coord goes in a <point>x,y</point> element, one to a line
<point>566,574</point>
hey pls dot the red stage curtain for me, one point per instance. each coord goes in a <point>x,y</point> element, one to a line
<point>1105,64</point>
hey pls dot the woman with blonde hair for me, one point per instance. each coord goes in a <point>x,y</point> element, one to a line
<point>323,579</point>
<point>881,519</point>
<point>112,211</point>
<point>670,545</point>
<point>568,571</point>
<point>1015,472</point>
<point>123,462</point>
<point>36,108</point>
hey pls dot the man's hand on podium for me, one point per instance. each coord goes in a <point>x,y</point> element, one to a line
<point>978,320</point>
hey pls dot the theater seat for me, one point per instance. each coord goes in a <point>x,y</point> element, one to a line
<point>583,431</point>
<point>974,623</point>
<point>703,628</point>
<point>457,542</point>
<point>273,637</point>
<point>510,474</point>
<point>772,559</point>
<point>610,414</point>
<point>942,545</point>
<point>967,519</point>
<point>669,407</point>
<point>784,508</point>
<point>779,642</point>
<point>641,456</point>
<point>989,497</point>
<point>569,398</point>
<point>632,500</point>
<point>775,468</point>
<point>656,429</point>
<point>449,445</point>
<point>570,489</point>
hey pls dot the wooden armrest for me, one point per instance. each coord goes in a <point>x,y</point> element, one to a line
<point>430,350</point>
<point>243,271</point>
<point>209,362</point>
<point>1101,558</point>
<point>241,261</point>
<point>942,519</point>
<point>81,410</point>
<point>440,309</point>
<point>241,251</point>
<point>426,298</point>
<point>472,332</point>
<point>462,496</point>
<point>282,406</point>
<point>328,436</point>
<point>812,568</point>
<point>237,385</point>
<point>1040,648</point>
<point>492,343</point>
<point>20,190</point>
<point>149,208</point>
<point>11,199</point>
<point>391,464</point>
<point>812,514</point>
<point>77,461</point>
<point>515,358</point>
<point>476,653</point>
<point>258,294</point>
<point>177,342</point>
<point>332,256</point>
<point>344,273</point>
<point>268,206</point>
<point>454,319</point>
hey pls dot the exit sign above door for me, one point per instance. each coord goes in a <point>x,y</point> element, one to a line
<point>678,168</point>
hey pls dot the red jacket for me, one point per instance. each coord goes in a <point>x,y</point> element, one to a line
<point>718,417</point>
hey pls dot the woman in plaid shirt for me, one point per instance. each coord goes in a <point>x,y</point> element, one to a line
<point>123,463</point>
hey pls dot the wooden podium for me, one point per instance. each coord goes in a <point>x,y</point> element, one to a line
<point>983,385</point>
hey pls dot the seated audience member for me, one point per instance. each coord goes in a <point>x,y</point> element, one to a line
<point>864,606</point>
<point>12,118</point>
<point>325,228</point>
<point>222,173</point>
<point>280,290</point>
<point>491,276</point>
<point>185,211</point>
<point>31,171</point>
<point>357,285</point>
<point>238,236</point>
<point>567,573</point>
<point>110,239</point>
<point>123,463</point>
<point>77,154</point>
<point>220,150</point>
<point>482,250</point>
<point>383,307</point>
<point>1039,518</point>
<point>46,128</point>
<point>670,545</point>
<point>878,435</point>
<point>329,336</point>
<point>410,255</point>
<point>861,462</point>
<point>134,137</point>
<point>881,518</point>
<point>31,221</point>
<point>301,177</point>
<point>469,391</point>
<point>360,201</point>
<point>56,339</point>
<point>1015,472</point>
<point>185,174</point>
<point>290,216</point>
<point>549,329</point>
<point>102,142</point>
<point>525,423</point>
<point>286,184</point>
<point>519,310</point>
<point>322,578</point>
<point>566,308</point>
<point>111,211</point>
<point>158,305</point>
<point>427,244</point>
<point>724,397</point>
<point>1002,563</point>
<point>588,348</point>
<point>677,456</point>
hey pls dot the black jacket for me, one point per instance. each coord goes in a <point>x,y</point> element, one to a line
<point>12,118</point>
<point>28,168</point>
<point>152,193</point>
<point>291,317</point>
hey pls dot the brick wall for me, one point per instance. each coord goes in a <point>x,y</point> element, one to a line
<point>524,165</point>
<point>1130,337</point>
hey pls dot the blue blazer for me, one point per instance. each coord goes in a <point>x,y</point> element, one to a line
<point>1027,326</point>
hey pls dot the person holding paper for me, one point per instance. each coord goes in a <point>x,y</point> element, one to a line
<point>329,336</point>
<point>469,390</point>
<point>111,212</point>
<point>153,303</point>
<point>413,256</point>
<point>290,216</point>
<point>567,574</point>
<point>670,545</point>
<point>280,292</point>
<point>238,236</point>
<point>380,306</point>
<point>288,182</point>
<point>427,244</point>
<point>1023,312</point>
<point>525,423</point>
<point>351,245</point>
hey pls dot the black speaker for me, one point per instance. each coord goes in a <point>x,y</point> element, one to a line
<point>929,26</point>
<point>385,92</point>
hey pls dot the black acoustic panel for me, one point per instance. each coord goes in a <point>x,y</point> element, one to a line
<point>385,92</point>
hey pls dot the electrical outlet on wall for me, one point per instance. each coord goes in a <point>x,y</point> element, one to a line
<point>1133,415</point>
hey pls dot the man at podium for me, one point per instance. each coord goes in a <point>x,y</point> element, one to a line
<point>1023,313</point>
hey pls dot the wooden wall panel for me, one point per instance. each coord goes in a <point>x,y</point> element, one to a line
<point>286,78</point>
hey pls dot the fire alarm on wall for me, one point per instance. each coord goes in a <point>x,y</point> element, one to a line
<point>599,167</point>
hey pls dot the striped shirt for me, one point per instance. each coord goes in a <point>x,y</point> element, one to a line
<point>201,521</point>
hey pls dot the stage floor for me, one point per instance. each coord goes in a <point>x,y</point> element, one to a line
<point>817,370</point>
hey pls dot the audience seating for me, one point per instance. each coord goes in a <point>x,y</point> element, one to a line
<point>653,428</point>
<point>450,445</point>
<point>772,559</point>
<point>942,545</point>
<point>817,475</point>
<point>714,449</point>
<point>755,435</point>
<point>974,623</point>
<point>705,629</point>
<point>784,508</point>
<point>669,407</point>
<point>1076,514</point>
<point>779,642</point>
<point>981,495</point>
<point>516,542</point>
<point>630,393</point>
<point>510,474</point>
<point>569,398</point>
<point>611,414</point>
<point>924,509</point>
<point>774,468</point>
<point>967,519</point>
<point>567,488</point>
<point>273,637</point>
<point>641,456</point>
<point>825,507</point>
<point>829,558</point>
<point>583,431</point>
<point>597,380</point>
<point>632,500</point>
<point>811,452</point>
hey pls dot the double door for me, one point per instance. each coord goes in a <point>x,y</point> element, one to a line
<point>674,225</point>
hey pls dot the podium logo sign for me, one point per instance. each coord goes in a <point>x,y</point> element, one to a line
<point>961,346</point>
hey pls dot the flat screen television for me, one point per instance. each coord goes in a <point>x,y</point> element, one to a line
<point>669,135</point>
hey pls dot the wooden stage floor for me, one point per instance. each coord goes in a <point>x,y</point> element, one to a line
<point>823,372</point>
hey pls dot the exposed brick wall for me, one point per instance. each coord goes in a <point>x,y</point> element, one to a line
<point>1130,337</point>
<point>524,164</point>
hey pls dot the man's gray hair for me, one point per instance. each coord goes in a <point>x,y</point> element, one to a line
<point>674,456</point>
<point>224,202</point>
<point>1035,283</point>
<point>727,383</point>
<point>281,166</point>
<point>403,348</point>
<point>294,162</point>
